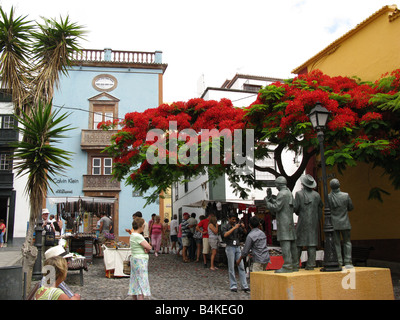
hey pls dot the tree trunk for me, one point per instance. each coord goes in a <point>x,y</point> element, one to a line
<point>291,180</point>
<point>29,251</point>
<point>29,254</point>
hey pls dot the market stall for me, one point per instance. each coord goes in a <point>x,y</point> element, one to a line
<point>114,261</point>
<point>80,215</point>
<point>82,243</point>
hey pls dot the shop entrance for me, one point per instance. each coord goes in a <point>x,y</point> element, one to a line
<point>7,216</point>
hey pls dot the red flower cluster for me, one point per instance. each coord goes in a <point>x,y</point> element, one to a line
<point>347,101</point>
<point>196,114</point>
<point>369,116</point>
<point>107,125</point>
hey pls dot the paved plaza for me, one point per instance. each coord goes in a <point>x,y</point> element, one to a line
<point>170,279</point>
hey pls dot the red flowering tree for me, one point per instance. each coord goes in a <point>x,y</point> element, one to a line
<point>364,126</point>
<point>133,146</point>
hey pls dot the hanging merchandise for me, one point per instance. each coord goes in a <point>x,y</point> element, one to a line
<point>78,213</point>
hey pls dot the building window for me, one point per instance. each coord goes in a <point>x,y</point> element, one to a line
<point>251,87</point>
<point>103,107</point>
<point>107,166</point>
<point>5,162</point>
<point>101,166</point>
<point>102,113</point>
<point>7,122</point>
<point>267,178</point>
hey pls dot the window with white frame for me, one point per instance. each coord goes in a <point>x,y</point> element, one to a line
<point>5,162</point>
<point>107,166</point>
<point>8,122</point>
<point>101,166</point>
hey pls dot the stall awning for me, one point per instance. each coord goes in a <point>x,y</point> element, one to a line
<point>55,200</point>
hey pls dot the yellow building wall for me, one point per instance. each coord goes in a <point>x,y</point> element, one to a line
<point>370,219</point>
<point>367,52</point>
<point>165,207</point>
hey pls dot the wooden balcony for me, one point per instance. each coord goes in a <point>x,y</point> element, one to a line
<point>6,180</point>
<point>7,136</point>
<point>96,139</point>
<point>100,183</point>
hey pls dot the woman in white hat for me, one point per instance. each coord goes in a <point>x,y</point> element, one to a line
<point>52,291</point>
<point>59,251</point>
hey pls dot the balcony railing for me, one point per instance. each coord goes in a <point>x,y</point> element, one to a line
<point>108,55</point>
<point>100,183</point>
<point>96,139</point>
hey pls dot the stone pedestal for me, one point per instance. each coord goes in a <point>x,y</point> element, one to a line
<point>358,283</point>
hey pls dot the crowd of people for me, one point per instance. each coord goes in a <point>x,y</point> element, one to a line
<point>190,240</point>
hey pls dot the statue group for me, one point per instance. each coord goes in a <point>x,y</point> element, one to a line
<point>307,205</point>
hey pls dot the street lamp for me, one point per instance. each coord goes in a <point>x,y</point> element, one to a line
<point>37,273</point>
<point>319,117</point>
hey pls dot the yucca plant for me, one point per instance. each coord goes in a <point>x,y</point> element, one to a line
<point>53,45</point>
<point>33,55</point>
<point>31,58</point>
<point>15,40</point>
<point>37,157</point>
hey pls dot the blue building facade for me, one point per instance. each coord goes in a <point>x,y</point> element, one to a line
<point>100,86</point>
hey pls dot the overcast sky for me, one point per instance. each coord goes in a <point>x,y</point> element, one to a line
<point>213,39</point>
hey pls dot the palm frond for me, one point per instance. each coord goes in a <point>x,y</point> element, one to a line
<point>14,54</point>
<point>52,50</point>
<point>36,154</point>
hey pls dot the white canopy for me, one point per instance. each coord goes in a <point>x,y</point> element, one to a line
<point>55,200</point>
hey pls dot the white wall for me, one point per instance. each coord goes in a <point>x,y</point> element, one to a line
<point>239,99</point>
<point>197,191</point>
<point>22,207</point>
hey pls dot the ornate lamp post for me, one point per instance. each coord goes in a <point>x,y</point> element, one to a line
<point>37,267</point>
<point>319,117</point>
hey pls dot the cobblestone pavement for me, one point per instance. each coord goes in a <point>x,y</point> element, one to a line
<point>170,279</point>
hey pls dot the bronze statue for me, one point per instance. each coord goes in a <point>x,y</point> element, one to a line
<point>282,206</point>
<point>308,206</point>
<point>340,204</point>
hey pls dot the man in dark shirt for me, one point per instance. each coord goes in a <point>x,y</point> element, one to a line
<point>231,233</point>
